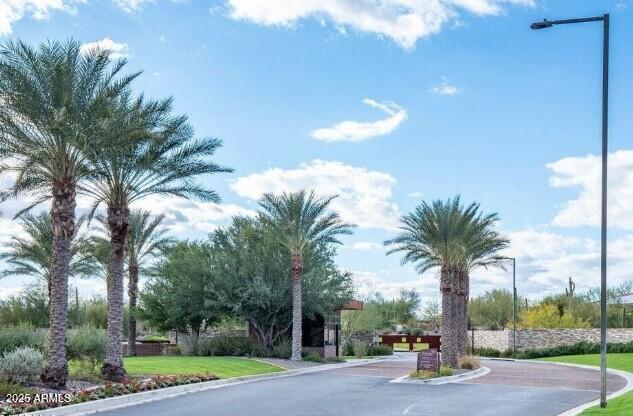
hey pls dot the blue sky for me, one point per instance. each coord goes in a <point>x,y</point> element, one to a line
<point>386,103</point>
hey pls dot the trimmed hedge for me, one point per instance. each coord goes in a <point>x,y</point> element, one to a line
<point>579,348</point>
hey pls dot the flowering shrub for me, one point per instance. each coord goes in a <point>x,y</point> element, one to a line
<point>128,386</point>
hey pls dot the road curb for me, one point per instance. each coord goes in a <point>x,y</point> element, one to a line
<point>579,409</point>
<point>482,371</point>
<point>118,402</point>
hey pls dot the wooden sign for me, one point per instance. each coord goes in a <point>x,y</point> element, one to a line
<point>428,360</point>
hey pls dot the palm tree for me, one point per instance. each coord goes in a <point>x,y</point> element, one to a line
<point>456,239</point>
<point>145,241</point>
<point>149,152</point>
<point>50,101</point>
<point>32,255</point>
<point>300,222</point>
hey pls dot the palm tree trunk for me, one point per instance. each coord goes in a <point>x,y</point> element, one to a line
<point>454,288</point>
<point>132,294</point>
<point>463,319</point>
<point>297,272</point>
<point>118,219</point>
<point>55,374</point>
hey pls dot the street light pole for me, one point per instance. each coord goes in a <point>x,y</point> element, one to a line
<point>514,303</point>
<point>603,223</point>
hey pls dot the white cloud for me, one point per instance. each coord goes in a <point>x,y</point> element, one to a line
<point>403,21</point>
<point>364,195</point>
<point>355,131</point>
<point>445,88</point>
<point>585,173</point>
<point>184,217</point>
<point>12,11</point>
<point>117,50</point>
<point>132,6</point>
<point>416,194</point>
<point>367,283</point>
<point>366,245</point>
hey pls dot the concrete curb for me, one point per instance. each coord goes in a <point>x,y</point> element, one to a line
<point>117,402</point>
<point>482,371</point>
<point>579,409</point>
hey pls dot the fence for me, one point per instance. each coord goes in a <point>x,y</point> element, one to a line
<point>410,342</point>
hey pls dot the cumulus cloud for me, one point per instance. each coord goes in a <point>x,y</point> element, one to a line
<point>184,217</point>
<point>404,22</point>
<point>12,11</point>
<point>584,173</point>
<point>117,50</point>
<point>355,131</point>
<point>364,195</point>
<point>366,245</point>
<point>131,6</point>
<point>369,282</point>
<point>444,88</point>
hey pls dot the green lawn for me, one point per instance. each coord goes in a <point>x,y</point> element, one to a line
<point>622,405</point>
<point>223,367</point>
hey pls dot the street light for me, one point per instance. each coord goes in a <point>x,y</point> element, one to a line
<point>514,305</point>
<point>603,225</point>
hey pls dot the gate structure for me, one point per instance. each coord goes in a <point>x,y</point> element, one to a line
<point>400,342</point>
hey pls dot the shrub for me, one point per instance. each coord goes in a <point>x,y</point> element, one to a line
<point>227,346</point>
<point>86,343</point>
<point>423,374</point>
<point>12,388</point>
<point>283,349</point>
<point>379,350</point>
<point>335,360</point>
<point>348,349</point>
<point>21,365</point>
<point>486,352</point>
<point>12,337</point>
<point>314,357</point>
<point>360,349</point>
<point>468,362</point>
<point>446,371</point>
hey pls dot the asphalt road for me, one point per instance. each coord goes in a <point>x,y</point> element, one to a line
<point>511,388</point>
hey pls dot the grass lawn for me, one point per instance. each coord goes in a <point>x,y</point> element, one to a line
<point>622,405</point>
<point>223,367</point>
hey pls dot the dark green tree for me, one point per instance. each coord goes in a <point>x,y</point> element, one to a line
<point>179,295</point>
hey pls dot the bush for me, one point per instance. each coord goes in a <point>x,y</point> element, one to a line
<point>360,349</point>
<point>468,362</point>
<point>446,371</point>
<point>424,374</point>
<point>21,365</point>
<point>486,352</point>
<point>335,360</point>
<point>228,346</point>
<point>12,388</point>
<point>348,349</point>
<point>376,350</point>
<point>12,337</point>
<point>283,349</point>
<point>86,343</point>
<point>314,357</point>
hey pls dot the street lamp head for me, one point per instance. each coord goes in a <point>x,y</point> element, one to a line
<point>541,25</point>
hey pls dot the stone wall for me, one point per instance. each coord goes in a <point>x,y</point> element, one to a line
<point>543,338</point>
<point>498,340</point>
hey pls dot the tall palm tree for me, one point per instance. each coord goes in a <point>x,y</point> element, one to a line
<point>300,222</point>
<point>456,239</point>
<point>145,241</point>
<point>149,152</point>
<point>32,254</point>
<point>50,101</point>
